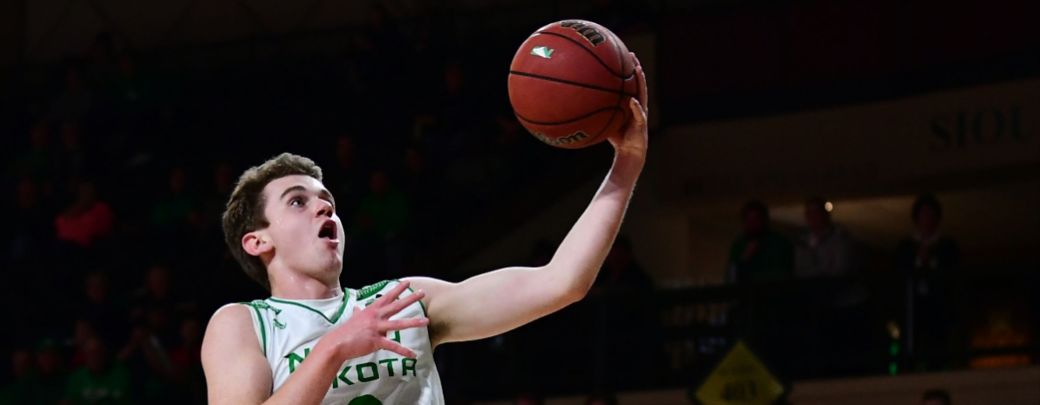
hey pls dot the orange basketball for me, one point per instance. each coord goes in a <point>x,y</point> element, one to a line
<point>570,82</point>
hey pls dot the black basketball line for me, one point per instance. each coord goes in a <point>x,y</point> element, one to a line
<point>594,56</point>
<point>621,62</point>
<point>572,83</point>
<point>579,118</point>
<point>611,120</point>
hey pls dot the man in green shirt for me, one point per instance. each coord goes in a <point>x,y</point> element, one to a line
<point>99,380</point>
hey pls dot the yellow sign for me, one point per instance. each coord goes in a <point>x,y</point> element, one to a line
<point>740,378</point>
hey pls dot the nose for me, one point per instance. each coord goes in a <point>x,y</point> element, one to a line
<point>324,208</point>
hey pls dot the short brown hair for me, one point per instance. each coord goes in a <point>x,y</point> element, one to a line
<point>244,212</point>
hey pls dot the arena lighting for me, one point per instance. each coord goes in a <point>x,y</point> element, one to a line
<point>828,206</point>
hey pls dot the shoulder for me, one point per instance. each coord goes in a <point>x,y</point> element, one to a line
<point>231,314</point>
<point>232,323</point>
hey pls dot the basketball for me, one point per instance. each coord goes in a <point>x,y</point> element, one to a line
<point>569,83</point>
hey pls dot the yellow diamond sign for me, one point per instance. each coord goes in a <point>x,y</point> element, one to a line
<point>740,378</point>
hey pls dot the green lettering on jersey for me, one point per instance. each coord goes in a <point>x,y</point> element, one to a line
<point>295,359</point>
<point>365,400</point>
<point>342,377</point>
<point>361,372</point>
<point>407,364</point>
<point>389,366</point>
<point>397,336</point>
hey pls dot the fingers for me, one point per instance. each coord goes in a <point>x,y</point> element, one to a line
<point>638,113</point>
<point>397,306</point>
<point>387,344</point>
<point>644,95</point>
<point>401,324</point>
<point>392,294</point>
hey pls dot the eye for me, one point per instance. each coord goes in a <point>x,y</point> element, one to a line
<point>296,202</point>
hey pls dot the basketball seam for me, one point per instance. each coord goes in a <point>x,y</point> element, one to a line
<point>594,56</point>
<point>583,116</point>
<point>621,89</point>
<point>573,83</point>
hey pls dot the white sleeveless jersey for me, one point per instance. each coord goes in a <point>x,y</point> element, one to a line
<point>288,330</point>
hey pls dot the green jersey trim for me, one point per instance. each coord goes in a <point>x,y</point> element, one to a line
<point>370,290</point>
<point>263,329</point>
<point>421,305</point>
<point>334,319</point>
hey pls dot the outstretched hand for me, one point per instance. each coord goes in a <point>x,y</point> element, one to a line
<point>631,140</point>
<point>367,328</point>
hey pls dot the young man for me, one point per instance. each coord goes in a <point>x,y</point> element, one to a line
<point>375,345</point>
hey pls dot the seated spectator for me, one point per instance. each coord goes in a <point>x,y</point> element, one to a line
<point>23,384</point>
<point>824,249</point>
<point>38,162</point>
<point>620,270</point>
<point>186,361</point>
<point>100,309</point>
<point>100,379</point>
<point>30,232</point>
<point>74,102</point>
<point>381,220</point>
<point>86,220</point>
<point>759,254</point>
<point>50,364</point>
<point>178,207</point>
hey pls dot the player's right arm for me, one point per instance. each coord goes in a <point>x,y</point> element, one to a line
<point>237,372</point>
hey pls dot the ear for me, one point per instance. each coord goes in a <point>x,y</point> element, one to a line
<point>256,243</point>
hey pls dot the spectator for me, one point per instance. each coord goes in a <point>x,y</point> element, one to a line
<point>24,384</point>
<point>86,220</point>
<point>928,250</point>
<point>936,397</point>
<point>100,379</point>
<point>186,361</point>
<point>37,163</point>
<point>154,304</point>
<point>177,208</point>
<point>100,309</point>
<point>620,270</point>
<point>381,220</point>
<point>74,103</point>
<point>346,176</point>
<point>824,249</point>
<point>52,375</point>
<point>212,202</point>
<point>928,259</point>
<point>759,254</point>
<point>71,161</point>
<point>29,226</point>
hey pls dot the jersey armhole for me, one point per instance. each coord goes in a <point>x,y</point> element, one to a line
<point>258,326</point>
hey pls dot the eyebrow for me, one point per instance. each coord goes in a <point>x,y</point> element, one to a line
<point>323,192</point>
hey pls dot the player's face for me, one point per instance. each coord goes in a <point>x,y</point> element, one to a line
<point>306,233</point>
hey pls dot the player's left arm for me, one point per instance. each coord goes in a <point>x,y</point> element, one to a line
<point>498,301</point>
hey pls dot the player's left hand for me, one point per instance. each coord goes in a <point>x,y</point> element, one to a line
<point>632,139</point>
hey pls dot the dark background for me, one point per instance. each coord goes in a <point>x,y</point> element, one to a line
<point>121,144</point>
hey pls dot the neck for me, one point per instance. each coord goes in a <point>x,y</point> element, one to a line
<point>297,286</point>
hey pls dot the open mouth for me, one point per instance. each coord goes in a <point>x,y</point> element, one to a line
<point>329,231</point>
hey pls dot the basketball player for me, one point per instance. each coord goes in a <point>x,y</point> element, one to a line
<point>314,342</point>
